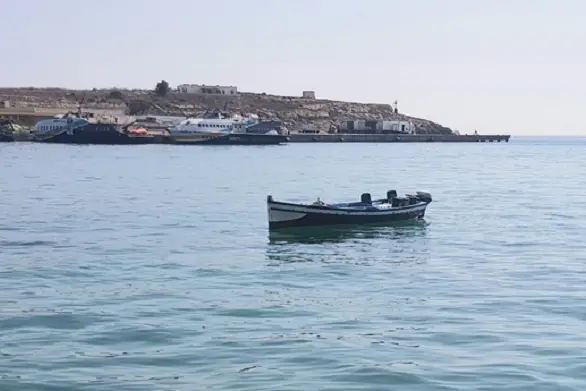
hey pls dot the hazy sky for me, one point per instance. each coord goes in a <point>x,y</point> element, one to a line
<point>498,66</point>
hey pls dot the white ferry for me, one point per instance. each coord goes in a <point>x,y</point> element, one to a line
<point>213,125</point>
<point>48,128</point>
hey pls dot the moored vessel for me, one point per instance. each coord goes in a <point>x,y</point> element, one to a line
<point>219,128</point>
<point>6,130</point>
<point>86,129</point>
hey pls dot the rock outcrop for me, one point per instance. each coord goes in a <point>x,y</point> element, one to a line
<point>295,112</point>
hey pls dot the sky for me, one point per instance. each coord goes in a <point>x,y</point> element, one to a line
<point>496,66</point>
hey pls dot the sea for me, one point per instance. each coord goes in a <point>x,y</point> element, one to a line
<point>152,268</point>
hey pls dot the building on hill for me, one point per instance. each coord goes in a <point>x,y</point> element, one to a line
<point>207,90</point>
<point>308,95</point>
<point>377,126</point>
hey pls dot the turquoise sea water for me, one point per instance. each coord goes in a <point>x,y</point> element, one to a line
<point>151,268</point>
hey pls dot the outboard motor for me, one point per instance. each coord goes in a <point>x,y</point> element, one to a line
<point>424,196</point>
<point>365,198</point>
<point>391,194</point>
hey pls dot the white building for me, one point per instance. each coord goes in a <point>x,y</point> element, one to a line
<point>207,90</point>
<point>397,126</point>
<point>379,126</point>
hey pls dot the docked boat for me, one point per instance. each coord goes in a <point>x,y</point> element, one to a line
<point>219,128</point>
<point>6,130</point>
<point>77,129</point>
<point>366,211</point>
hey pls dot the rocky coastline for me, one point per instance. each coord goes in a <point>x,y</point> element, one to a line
<point>296,113</point>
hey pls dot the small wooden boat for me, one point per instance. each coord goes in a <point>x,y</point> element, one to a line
<point>367,211</point>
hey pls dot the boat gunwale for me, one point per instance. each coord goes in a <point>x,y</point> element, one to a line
<point>326,208</point>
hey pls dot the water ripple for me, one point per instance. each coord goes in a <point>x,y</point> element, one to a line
<point>159,273</point>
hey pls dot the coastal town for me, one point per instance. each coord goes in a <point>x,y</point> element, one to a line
<point>193,113</point>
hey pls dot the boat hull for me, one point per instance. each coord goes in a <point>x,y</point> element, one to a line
<point>238,139</point>
<point>6,138</point>
<point>287,215</point>
<point>6,131</point>
<point>104,138</point>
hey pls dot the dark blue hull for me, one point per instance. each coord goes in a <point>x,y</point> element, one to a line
<point>98,134</point>
<point>6,138</point>
<point>318,219</point>
<point>282,215</point>
<point>99,139</point>
<point>246,139</point>
<point>6,131</point>
<point>389,210</point>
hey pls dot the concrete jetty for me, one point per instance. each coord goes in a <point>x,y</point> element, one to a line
<point>394,138</point>
<point>160,138</point>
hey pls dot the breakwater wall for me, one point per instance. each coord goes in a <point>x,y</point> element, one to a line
<point>394,138</point>
<point>350,138</point>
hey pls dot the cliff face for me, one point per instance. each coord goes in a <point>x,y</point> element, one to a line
<point>295,112</point>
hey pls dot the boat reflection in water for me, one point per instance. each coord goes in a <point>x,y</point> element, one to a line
<point>343,233</point>
<point>403,242</point>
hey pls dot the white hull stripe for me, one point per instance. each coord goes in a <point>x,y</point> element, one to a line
<point>279,215</point>
<point>308,210</point>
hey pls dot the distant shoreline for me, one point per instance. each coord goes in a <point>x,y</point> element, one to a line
<point>295,112</point>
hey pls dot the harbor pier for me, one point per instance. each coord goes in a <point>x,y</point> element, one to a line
<point>394,138</point>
